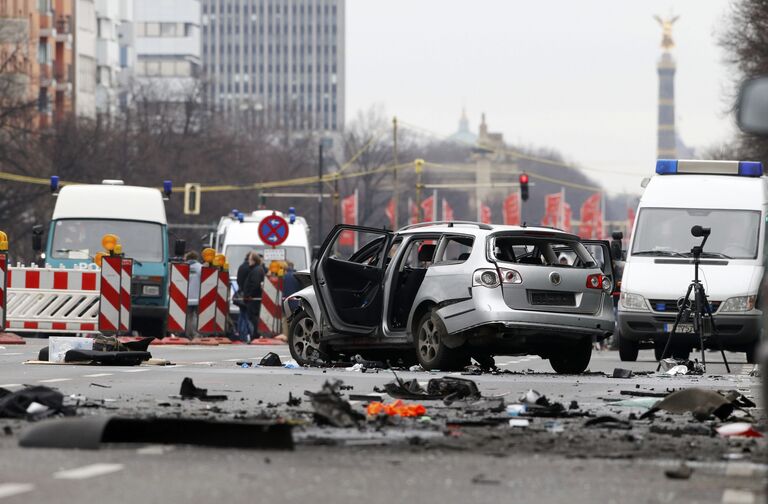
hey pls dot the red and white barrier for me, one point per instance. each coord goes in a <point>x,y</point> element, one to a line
<point>109,304</point>
<point>222,302</point>
<point>3,278</point>
<point>270,315</point>
<point>207,304</point>
<point>178,298</point>
<point>126,277</point>
<point>51,299</point>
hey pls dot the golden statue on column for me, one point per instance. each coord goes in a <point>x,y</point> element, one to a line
<point>666,28</point>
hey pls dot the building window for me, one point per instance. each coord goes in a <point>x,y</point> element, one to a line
<point>152,29</point>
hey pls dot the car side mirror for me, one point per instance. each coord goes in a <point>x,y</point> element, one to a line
<point>315,252</point>
<point>37,238</point>
<point>752,106</point>
<point>179,247</point>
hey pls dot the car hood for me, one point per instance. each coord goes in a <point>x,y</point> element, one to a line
<point>670,280</point>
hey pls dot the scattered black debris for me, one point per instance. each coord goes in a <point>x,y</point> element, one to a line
<point>358,359</point>
<point>190,391</point>
<point>702,403</point>
<point>684,430</point>
<point>105,358</point>
<point>346,387</point>
<point>90,432</point>
<point>293,401</point>
<point>7,430</point>
<point>472,370</point>
<point>365,397</point>
<point>33,403</point>
<point>480,479</point>
<point>93,384</point>
<point>608,422</point>
<point>243,363</point>
<point>538,405</point>
<point>331,409</point>
<point>449,388</point>
<point>642,393</point>
<point>681,472</point>
<point>574,405</point>
<point>271,359</point>
<point>622,373</point>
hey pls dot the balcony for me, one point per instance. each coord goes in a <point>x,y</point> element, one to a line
<point>46,75</point>
<point>64,29</point>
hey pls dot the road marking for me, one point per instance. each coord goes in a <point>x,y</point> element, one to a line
<point>9,385</point>
<point>734,469</point>
<point>96,375</point>
<point>54,380</point>
<point>133,370</point>
<point>12,353</point>
<point>11,489</point>
<point>88,471</point>
<point>731,496</point>
<point>154,450</point>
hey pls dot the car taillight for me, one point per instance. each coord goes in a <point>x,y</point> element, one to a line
<point>510,276</point>
<point>595,282</point>
<point>485,278</point>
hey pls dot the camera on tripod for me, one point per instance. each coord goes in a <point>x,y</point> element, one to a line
<point>700,310</point>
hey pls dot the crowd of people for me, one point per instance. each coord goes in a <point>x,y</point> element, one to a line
<point>247,288</point>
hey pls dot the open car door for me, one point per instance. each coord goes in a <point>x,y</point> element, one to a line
<point>601,251</point>
<point>348,278</point>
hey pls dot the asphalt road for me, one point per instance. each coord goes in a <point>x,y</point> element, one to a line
<point>407,462</point>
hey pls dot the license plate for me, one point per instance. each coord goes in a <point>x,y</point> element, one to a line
<point>681,328</point>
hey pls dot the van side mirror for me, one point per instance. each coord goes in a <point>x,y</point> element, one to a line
<point>617,235</point>
<point>179,247</point>
<point>616,246</point>
<point>752,107</point>
<point>37,238</point>
<point>205,240</point>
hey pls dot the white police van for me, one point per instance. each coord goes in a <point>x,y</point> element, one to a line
<point>730,198</point>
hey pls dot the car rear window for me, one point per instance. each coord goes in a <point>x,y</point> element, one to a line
<point>539,251</point>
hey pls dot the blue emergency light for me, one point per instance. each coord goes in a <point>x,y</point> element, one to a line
<point>741,168</point>
<point>291,215</point>
<point>54,184</point>
<point>239,215</point>
<point>167,187</point>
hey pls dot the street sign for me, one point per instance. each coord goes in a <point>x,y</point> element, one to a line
<point>273,230</point>
<point>276,254</point>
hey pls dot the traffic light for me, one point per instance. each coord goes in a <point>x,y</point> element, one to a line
<point>524,186</point>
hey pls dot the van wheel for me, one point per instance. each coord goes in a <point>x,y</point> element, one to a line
<point>304,339</point>
<point>628,349</point>
<point>572,359</point>
<point>430,350</point>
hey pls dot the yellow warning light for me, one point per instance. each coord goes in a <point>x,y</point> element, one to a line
<point>118,249</point>
<point>208,255</point>
<point>226,266</point>
<point>3,242</point>
<point>219,260</point>
<point>98,257</point>
<point>109,241</point>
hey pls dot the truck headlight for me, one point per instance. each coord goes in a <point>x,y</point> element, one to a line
<point>738,304</point>
<point>632,302</point>
<point>150,290</point>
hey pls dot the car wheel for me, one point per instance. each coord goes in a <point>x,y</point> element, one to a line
<point>573,359</point>
<point>304,339</point>
<point>430,350</point>
<point>628,349</point>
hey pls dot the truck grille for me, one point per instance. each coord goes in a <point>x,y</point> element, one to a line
<point>670,305</point>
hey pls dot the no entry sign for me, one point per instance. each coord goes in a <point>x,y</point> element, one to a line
<point>273,230</point>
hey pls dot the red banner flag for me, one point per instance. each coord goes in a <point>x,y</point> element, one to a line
<point>447,211</point>
<point>553,210</point>
<point>567,218</point>
<point>390,211</point>
<point>485,214</point>
<point>428,209</point>
<point>591,226</point>
<point>414,211</point>
<point>630,221</point>
<point>348,216</point>
<point>512,209</point>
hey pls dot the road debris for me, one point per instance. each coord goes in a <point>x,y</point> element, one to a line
<point>396,408</point>
<point>738,429</point>
<point>331,409</point>
<point>622,373</point>
<point>681,472</point>
<point>33,403</point>
<point>608,422</point>
<point>519,422</point>
<point>270,360</point>
<point>449,388</point>
<point>190,391</point>
<point>702,403</point>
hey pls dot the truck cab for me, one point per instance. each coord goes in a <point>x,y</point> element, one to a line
<point>83,214</point>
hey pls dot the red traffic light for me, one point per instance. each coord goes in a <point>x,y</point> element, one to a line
<point>523,178</point>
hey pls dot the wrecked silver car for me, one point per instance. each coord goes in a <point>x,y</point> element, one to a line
<point>447,291</point>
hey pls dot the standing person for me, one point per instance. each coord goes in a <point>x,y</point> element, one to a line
<point>252,293</point>
<point>244,329</point>
<point>193,295</point>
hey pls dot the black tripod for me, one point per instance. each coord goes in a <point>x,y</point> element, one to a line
<point>700,309</point>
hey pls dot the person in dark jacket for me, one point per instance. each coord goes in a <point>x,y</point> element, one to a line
<point>244,329</point>
<point>252,293</point>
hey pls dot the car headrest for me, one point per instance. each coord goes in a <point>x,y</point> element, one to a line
<point>426,252</point>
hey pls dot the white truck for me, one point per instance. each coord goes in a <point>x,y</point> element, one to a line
<point>238,233</point>
<point>730,198</point>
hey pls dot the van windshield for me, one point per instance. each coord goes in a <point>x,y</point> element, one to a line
<point>236,255</point>
<point>81,239</point>
<point>667,232</point>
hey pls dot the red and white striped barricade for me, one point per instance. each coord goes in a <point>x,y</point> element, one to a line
<point>3,286</point>
<point>222,302</point>
<point>270,315</point>
<point>207,306</point>
<point>109,304</point>
<point>178,298</point>
<point>126,277</point>
<point>52,300</point>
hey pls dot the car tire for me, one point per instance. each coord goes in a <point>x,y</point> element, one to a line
<point>303,335</point>
<point>628,349</point>
<point>572,360</point>
<point>431,352</point>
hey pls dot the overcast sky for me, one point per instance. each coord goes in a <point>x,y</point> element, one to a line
<point>575,75</point>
